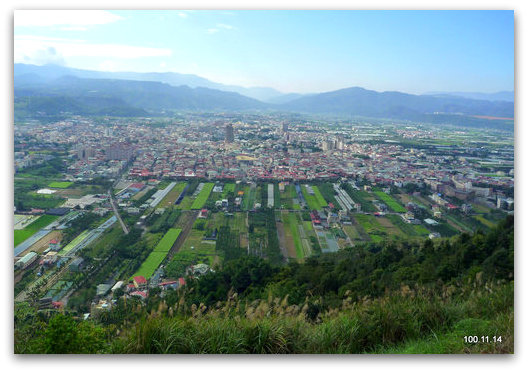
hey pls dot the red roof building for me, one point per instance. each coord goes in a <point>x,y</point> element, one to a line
<point>140,281</point>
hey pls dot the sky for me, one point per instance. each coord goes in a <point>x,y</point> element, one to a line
<point>303,51</point>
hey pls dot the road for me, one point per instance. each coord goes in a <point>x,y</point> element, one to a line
<point>116,212</point>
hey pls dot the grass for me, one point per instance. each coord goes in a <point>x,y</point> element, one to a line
<point>60,185</point>
<point>391,203</point>
<point>32,228</point>
<point>394,324</point>
<point>202,197</point>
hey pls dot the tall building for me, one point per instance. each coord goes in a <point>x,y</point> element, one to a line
<point>229,134</point>
<point>284,127</point>
<point>119,152</point>
<point>85,152</point>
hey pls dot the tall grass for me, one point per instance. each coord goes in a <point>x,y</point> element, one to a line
<point>417,320</point>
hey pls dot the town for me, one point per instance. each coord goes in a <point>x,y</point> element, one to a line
<point>110,207</point>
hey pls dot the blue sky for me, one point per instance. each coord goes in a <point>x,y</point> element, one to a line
<point>292,51</point>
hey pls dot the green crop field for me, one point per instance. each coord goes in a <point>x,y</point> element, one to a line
<point>202,197</point>
<point>150,265</point>
<point>74,242</point>
<point>311,200</point>
<point>372,227</point>
<point>407,228</point>
<point>60,185</point>
<point>166,243</point>
<point>290,223</point>
<point>32,228</point>
<point>319,197</point>
<point>156,257</point>
<point>391,203</point>
<point>228,187</point>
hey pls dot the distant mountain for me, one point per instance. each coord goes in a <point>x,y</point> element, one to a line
<point>508,96</point>
<point>25,73</point>
<point>285,98</point>
<point>363,102</point>
<point>78,95</point>
<point>50,90</point>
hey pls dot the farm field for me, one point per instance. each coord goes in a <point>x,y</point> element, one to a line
<point>32,228</point>
<point>74,242</point>
<point>250,195</point>
<point>202,197</point>
<point>377,228</point>
<point>291,229</point>
<point>319,197</point>
<point>156,257</point>
<point>166,243</point>
<point>311,200</point>
<point>149,266</point>
<point>391,203</point>
<point>352,232</point>
<point>363,198</point>
<point>60,185</point>
<point>195,242</point>
<point>22,220</point>
<point>42,244</point>
<point>172,195</point>
<point>408,229</point>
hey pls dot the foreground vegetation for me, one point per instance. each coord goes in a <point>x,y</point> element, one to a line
<point>390,297</point>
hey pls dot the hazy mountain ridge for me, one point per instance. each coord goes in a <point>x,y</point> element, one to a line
<point>508,96</point>
<point>51,72</point>
<point>360,101</point>
<point>136,96</point>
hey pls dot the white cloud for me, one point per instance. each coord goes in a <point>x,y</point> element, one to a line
<point>219,27</point>
<point>224,26</point>
<point>46,18</point>
<point>29,47</point>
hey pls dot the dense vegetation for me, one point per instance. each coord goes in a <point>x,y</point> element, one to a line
<point>418,297</point>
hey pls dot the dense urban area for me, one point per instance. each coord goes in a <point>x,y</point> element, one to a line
<point>110,211</point>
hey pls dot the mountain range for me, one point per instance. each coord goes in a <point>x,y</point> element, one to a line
<point>50,90</point>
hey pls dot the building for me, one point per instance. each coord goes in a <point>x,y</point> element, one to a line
<point>284,127</point>
<point>102,289</point>
<point>77,264</point>
<point>140,282</point>
<point>119,152</point>
<point>49,259</point>
<point>229,134</point>
<point>85,152</point>
<point>54,245</point>
<point>27,260</point>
